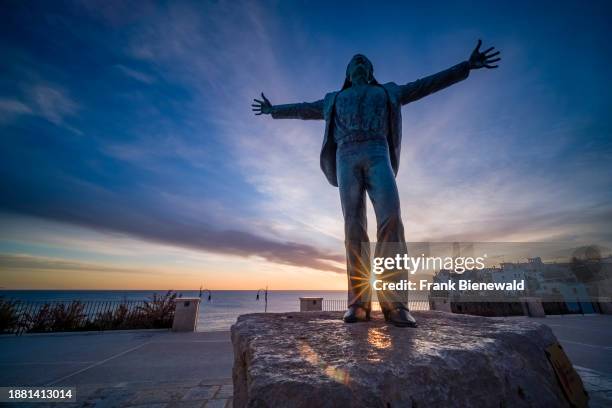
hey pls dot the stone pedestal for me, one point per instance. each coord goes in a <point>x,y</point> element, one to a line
<point>532,307</point>
<point>316,360</point>
<point>311,304</point>
<point>186,314</point>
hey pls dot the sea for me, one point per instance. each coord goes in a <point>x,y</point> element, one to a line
<point>216,314</point>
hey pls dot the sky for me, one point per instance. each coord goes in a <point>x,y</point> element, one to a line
<point>130,158</point>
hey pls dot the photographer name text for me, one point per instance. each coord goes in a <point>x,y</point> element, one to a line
<point>462,285</point>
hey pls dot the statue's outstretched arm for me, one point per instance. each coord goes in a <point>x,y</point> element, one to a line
<point>433,83</point>
<point>304,110</point>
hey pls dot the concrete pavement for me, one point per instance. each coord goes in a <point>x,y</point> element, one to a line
<point>137,368</point>
<point>164,369</point>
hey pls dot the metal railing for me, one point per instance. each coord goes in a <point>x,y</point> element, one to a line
<point>416,301</point>
<point>17,316</point>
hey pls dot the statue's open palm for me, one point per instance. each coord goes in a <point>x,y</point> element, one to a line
<point>483,59</point>
<point>261,107</point>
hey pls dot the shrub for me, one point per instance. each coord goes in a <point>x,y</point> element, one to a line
<point>119,318</point>
<point>154,313</point>
<point>9,319</point>
<point>59,317</point>
<point>159,311</point>
<point>68,317</point>
<point>40,320</point>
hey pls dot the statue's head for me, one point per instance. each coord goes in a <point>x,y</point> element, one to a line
<point>359,67</point>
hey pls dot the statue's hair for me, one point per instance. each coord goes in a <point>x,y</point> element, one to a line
<point>347,79</point>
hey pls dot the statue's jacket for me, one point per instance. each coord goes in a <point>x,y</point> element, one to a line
<point>398,95</point>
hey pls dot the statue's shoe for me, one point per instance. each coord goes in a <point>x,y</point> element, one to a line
<point>399,317</point>
<point>356,314</point>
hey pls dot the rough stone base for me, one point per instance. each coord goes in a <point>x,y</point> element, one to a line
<point>313,359</point>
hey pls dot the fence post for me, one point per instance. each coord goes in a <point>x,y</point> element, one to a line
<point>532,307</point>
<point>311,304</point>
<point>442,304</point>
<point>605,305</point>
<point>186,314</point>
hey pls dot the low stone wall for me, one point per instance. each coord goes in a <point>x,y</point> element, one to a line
<point>489,309</point>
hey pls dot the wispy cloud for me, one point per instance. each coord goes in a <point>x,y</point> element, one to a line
<point>32,263</point>
<point>45,100</point>
<point>51,102</point>
<point>135,74</point>
<point>9,108</point>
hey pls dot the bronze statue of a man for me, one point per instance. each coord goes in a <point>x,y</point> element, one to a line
<point>361,152</point>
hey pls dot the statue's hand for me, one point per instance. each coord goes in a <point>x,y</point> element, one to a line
<point>483,59</point>
<point>264,106</point>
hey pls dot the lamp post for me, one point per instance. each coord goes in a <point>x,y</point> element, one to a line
<point>209,293</point>
<point>265,298</point>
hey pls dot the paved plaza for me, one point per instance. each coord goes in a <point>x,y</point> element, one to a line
<point>164,369</point>
<point>124,369</point>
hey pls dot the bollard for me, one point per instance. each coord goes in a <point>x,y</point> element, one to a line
<point>186,314</point>
<point>442,304</point>
<point>532,307</point>
<point>605,305</point>
<point>311,304</point>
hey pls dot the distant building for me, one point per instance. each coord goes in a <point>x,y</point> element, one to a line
<point>552,280</point>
